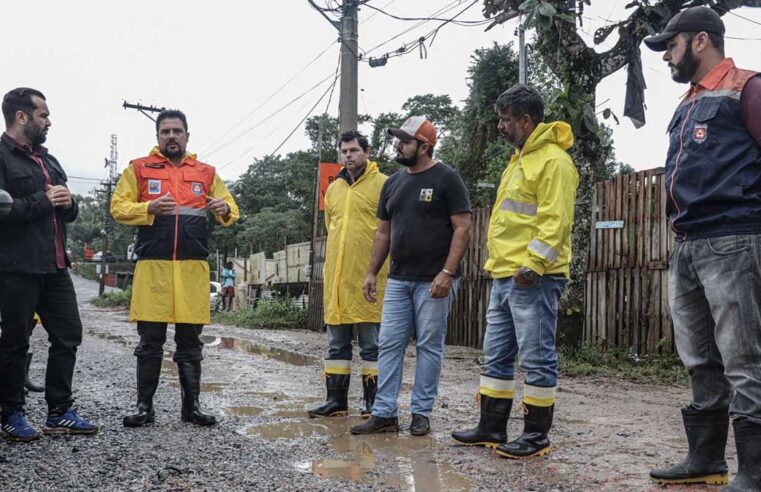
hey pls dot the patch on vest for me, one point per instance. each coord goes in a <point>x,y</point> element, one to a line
<point>197,189</point>
<point>426,194</point>
<point>154,186</point>
<point>700,133</point>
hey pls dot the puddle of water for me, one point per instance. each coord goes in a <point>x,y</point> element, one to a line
<point>242,411</point>
<point>107,336</point>
<point>251,348</point>
<point>399,461</point>
<point>205,387</point>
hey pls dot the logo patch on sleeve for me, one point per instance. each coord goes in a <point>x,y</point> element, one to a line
<point>700,134</point>
<point>426,194</point>
<point>154,186</point>
<point>197,189</point>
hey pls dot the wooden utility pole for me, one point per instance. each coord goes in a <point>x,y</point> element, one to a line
<point>108,221</point>
<point>349,66</point>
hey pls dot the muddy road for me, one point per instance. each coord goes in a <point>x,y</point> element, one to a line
<point>607,433</point>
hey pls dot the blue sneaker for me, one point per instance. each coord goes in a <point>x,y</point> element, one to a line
<point>15,427</point>
<point>68,423</point>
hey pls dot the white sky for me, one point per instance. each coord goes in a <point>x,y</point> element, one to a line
<point>219,61</point>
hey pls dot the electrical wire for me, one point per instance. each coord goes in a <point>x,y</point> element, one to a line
<point>431,18</point>
<point>745,18</point>
<point>270,116</point>
<point>266,100</point>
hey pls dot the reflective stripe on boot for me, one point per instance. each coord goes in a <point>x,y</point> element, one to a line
<point>496,399</point>
<point>337,379</point>
<point>707,439</point>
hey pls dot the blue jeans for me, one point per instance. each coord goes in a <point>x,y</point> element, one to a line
<point>715,301</point>
<point>407,306</point>
<point>340,338</point>
<point>522,321</point>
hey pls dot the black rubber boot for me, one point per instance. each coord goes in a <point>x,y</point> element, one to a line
<point>190,384</point>
<point>337,402</point>
<point>148,372</point>
<point>537,422</point>
<point>376,425</point>
<point>369,388</point>
<point>748,443</point>
<point>707,439</point>
<point>36,388</point>
<point>491,430</point>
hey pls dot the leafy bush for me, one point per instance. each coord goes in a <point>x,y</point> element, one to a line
<point>590,360</point>
<point>272,313</point>
<point>119,298</point>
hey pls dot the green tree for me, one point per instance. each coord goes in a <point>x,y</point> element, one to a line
<point>438,109</point>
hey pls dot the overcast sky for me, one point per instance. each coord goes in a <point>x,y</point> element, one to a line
<point>221,62</point>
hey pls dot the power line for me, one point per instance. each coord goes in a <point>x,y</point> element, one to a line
<point>745,18</point>
<point>430,18</point>
<point>269,98</point>
<point>270,116</point>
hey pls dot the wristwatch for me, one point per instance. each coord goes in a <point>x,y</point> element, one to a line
<point>529,274</point>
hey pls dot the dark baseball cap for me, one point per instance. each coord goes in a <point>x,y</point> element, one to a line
<point>693,19</point>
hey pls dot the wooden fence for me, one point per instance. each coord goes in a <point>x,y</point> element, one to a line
<point>626,295</point>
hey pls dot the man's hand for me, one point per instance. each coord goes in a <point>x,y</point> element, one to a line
<point>369,289</point>
<point>440,285</point>
<point>59,196</point>
<point>521,279</point>
<point>163,205</point>
<point>218,206</point>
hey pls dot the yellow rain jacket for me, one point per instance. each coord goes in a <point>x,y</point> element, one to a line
<point>533,215</point>
<point>350,217</point>
<point>171,281</point>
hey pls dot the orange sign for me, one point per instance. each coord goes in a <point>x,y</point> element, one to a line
<point>328,173</point>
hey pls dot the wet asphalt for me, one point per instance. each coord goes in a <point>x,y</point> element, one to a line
<point>607,434</point>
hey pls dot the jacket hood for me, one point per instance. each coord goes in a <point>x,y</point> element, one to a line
<point>370,169</point>
<point>555,132</point>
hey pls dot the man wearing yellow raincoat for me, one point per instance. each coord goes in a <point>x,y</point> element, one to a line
<point>529,243</point>
<point>166,195</point>
<point>351,202</point>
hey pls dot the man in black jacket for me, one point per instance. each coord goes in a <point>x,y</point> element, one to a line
<point>33,270</point>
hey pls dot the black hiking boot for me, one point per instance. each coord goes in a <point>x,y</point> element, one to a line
<point>376,425</point>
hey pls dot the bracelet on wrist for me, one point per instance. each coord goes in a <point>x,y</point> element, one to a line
<point>451,274</point>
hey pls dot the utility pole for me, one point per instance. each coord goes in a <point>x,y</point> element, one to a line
<point>316,204</point>
<point>349,66</point>
<point>348,31</point>
<point>108,221</point>
<point>143,109</point>
<point>522,53</point>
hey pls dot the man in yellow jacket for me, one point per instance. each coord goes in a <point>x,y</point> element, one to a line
<point>350,205</point>
<point>529,243</point>
<point>167,196</point>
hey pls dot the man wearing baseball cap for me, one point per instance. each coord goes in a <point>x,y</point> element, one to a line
<point>424,213</point>
<point>713,178</point>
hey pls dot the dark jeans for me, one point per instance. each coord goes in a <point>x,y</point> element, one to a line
<point>340,338</point>
<point>52,296</point>
<point>186,336</point>
<point>715,300</point>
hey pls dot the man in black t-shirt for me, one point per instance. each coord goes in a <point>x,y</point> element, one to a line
<point>425,220</point>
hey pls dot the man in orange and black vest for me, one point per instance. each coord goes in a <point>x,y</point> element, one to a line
<point>713,178</point>
<point>168,195</point>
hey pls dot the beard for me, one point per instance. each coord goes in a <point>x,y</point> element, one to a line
<point>687,67</point>
<point>35,134</point>
<point>173,153</point>
<point>408,161</point>
<point>516,140</point>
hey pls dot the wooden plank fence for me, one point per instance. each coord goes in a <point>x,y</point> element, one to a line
<point>626,294</point>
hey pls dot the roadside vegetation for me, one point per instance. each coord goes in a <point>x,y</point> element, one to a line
<point>118,298</point>
<point>275,313</point>
<point>589,360</point>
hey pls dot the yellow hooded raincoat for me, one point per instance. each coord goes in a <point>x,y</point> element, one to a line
<point>350,217</point>
<point>533,215</point>
<point>171,281</point>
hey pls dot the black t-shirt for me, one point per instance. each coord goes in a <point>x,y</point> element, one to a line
<point>419,207</point>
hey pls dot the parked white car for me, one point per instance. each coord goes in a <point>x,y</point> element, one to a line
<point>215,296</point>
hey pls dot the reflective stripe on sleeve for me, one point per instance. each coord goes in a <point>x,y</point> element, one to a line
<point>518,207</point>
<point>544,250</point>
